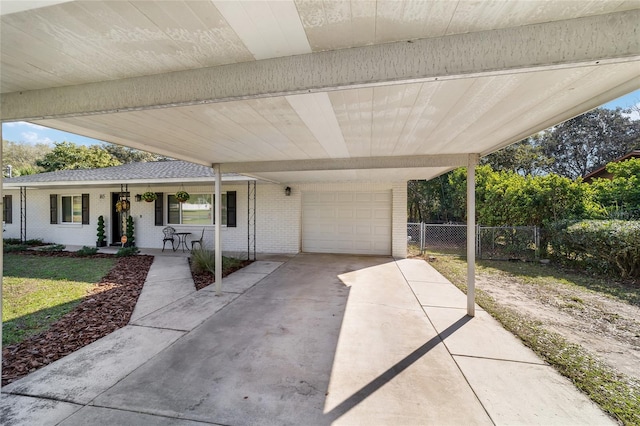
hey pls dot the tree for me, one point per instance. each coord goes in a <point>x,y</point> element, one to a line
<point>22,157</point>
<point>590,141</point>
<point>69,156</point>
<point>525,157</point>
<point>620,195</point>
<point>129,155</point>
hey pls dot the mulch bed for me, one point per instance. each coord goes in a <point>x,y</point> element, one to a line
<point>105,309</point>
<point>204,279</point>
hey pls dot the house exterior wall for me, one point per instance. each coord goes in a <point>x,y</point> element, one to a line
<point>278,217</point>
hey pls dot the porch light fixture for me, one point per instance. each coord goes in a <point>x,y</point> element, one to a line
<point>287,191</point>
<point>138,198</point>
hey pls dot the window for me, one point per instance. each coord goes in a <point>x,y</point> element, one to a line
<point>197,211</point>
<point>71,208</point>
<point>7,212</point>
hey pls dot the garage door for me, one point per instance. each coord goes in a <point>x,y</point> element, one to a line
<point>346,222</point>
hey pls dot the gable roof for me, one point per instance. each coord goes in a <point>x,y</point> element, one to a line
<point>149,172</point>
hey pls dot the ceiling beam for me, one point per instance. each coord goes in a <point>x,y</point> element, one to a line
<point>361,163</point>
<point>588,41</point>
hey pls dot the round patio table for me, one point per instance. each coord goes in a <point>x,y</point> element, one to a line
<point>182,240</point>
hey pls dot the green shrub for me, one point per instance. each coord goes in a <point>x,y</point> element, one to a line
<point>87,251</point>
<point>203,260</point>
<point>53,248</point>
<point>603,245</point>
<point>8,248</point>
<point>127,251</point>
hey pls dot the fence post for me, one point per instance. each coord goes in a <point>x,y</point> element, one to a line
<point>422,243</point>
<point>536,239</point>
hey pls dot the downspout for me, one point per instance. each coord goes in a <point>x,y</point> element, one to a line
<point>471,234</point>
<point>218,229</point>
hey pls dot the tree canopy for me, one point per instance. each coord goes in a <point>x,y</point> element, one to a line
<point>573,148</point>
<point>69,156</point>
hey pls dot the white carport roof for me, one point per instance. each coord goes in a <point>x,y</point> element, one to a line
<point>315,90</point>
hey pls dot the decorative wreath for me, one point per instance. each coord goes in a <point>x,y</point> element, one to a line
<point>122,206</point>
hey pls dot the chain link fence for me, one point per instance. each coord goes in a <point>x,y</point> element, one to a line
<point>498,243</point>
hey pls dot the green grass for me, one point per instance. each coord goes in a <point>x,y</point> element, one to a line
<point>38,290</point>
<point>616,394</point>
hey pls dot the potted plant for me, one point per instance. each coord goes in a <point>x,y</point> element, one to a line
<point>101,241</point>
<point>149,196</point>
<point>122,206</point>
<point>182,196</point>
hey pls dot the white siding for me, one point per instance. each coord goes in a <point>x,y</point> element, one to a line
<point>279,217</point>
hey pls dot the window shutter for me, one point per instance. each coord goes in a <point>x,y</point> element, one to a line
<point>231,209</point>
<point>53,208</point>
<point>159,208</point>
<point>7,214</point>
<point>85,209</point>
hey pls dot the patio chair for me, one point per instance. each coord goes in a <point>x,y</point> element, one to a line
<point>194,242</point>
<point>169,235</point>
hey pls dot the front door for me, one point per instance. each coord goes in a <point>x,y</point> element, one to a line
<point>119,222</point>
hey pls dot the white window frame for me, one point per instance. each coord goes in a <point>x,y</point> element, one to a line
<point>193,195</point>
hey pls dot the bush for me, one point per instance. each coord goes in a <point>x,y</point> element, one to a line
<point>127,251</point>
<point>53,248</point>
<point>8,248</point>
<point>603,245</point>
<point>203,261</point>
<point>87,251</point>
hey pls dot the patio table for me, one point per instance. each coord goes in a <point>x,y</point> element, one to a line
<point>182,240</point>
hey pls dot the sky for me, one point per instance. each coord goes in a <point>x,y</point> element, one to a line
<point>34,134</point>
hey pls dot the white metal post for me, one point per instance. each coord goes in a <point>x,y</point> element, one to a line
<point>471,240</point>
<point>1,250</point>
<point>218,228</point>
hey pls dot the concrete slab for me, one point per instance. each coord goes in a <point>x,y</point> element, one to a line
<point>99,416</point>
<point>391,367</point>
<point>169,279</point>
<point>18,410</point>
<point>84,374</point>
<point>169,268</point>
<point>482,336</point>
<point>381,284</point>
<point>238,282</point>
<point>188,312</point>
<point>444,295</point>
<point>262,267</point>
<point>255,362</point>
<point>419,270</point>
<point>526,394</point>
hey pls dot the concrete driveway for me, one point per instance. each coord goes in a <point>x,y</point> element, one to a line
<point>317,340</point>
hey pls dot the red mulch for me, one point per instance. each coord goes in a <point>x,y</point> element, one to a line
<point>107,307</point>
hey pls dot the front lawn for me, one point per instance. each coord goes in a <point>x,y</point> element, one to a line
<point>38,290</point>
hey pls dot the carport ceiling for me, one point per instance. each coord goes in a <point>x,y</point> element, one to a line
<point>377,90</point>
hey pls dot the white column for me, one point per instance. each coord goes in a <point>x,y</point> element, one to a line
<point>471,235</point>
<point>1,247</point>
<point>218,228</point>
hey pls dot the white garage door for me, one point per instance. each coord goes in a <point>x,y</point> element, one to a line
<point>346,222</point>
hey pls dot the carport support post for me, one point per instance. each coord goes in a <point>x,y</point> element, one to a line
<point>218,229</point>
<point>471,234</point>
<point>1,251</point>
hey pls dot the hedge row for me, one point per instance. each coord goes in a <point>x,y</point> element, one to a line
<point>611,246</point>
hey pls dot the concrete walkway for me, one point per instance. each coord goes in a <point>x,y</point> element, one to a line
<point>314,340</point>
